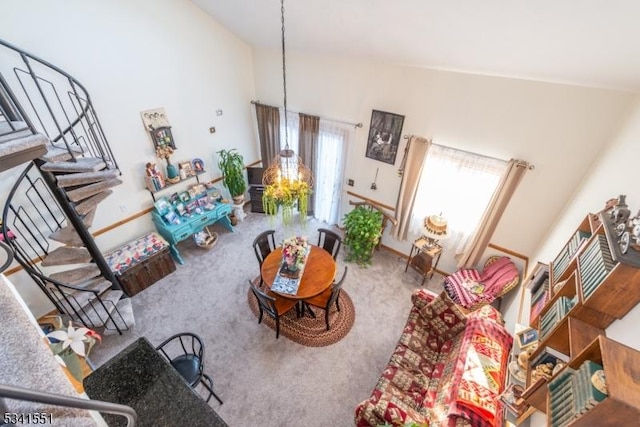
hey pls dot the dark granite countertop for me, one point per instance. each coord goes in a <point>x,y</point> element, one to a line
<point>141,378</point>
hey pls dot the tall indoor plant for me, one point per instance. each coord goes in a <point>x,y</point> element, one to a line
<point>363,228</point>
<point>231,164</point>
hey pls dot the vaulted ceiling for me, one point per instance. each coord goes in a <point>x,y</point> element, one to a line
<point>583,42</point>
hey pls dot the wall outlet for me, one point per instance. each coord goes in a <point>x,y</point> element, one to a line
<point>350,182</point>
<point>212,129</point>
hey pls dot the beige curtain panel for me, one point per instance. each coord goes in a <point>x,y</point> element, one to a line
<point>515,171</point>
<point>268,119</point>
<point>416,153</point>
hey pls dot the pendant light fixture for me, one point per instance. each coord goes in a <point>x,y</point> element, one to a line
<point>287,180</point>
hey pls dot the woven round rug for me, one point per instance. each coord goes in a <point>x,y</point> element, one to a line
<point>309,331</point>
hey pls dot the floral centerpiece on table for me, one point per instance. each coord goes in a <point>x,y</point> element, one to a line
<point>294,252</point>
<point>70,345</point>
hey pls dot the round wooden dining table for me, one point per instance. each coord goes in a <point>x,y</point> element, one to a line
<point>319,272</point>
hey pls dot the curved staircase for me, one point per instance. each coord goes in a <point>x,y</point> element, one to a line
<point>49,125</point>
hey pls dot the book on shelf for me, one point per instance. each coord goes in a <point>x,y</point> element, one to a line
<point>549,355</point>
<point>591,373</point>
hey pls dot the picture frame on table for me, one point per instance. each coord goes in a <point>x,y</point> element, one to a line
<point>187,168</point>
<point>385,132</point>
<point>527,337</point>
<point>174,198</point>
<point>184,196</point>
<point>198,165</point>
<point>181,209</point>
<point>162,205</point>
<point>511,397</point>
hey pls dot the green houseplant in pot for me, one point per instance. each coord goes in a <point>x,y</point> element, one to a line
<point>363,228</point>
<point>231,164</point>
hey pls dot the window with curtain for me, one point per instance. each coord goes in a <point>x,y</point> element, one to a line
<point>459,185</point>
<point>332,147</point>
<point>333,141</point>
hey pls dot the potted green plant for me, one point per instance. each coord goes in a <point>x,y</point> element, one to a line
<point>363,228</point>
<point>231,164</point>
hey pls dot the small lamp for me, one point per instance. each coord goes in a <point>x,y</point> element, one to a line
<point>435,229</point>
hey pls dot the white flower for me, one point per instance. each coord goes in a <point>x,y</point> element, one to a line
<point>72,337</point>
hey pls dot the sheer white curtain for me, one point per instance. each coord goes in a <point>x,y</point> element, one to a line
<point>333,141</point>
<point>459,185</point>
<point>332,148</point>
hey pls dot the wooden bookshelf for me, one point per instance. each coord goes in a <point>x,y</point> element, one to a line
<point>579,311</point>
<point>621,365</point>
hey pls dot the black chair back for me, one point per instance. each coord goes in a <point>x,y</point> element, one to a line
<point>266,302</point>
<point>335,290</point>
<point>329,241</point>
<point>185,352</point>
<point>264,244</point>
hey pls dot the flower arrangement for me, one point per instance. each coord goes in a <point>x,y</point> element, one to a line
<point>283,196</point>
<point>294,251</point>
<point>68,346</point>
<point>164,152</point>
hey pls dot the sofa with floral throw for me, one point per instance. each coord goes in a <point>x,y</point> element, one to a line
<point>448,368</point>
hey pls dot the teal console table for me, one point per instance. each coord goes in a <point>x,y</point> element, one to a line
<point>175,233</point>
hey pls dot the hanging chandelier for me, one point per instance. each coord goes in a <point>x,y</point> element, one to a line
<point>287,180</point>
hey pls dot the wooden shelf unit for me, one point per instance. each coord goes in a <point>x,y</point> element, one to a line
<point>621,365</point>
<point>581,333</point>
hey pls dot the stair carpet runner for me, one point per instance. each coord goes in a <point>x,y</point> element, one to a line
<point>87,182</point>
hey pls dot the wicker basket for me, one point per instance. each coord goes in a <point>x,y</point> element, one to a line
<point>210,239</point>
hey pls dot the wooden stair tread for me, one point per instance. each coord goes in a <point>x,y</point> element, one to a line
<point>20,150</point>
<point>76,276</point>
<point>78,299</point>
<point>84,164</point>
<point>67,255</point>
<point>92,189</point>
<point>67,235</point>
<point>57,154</point>
<point>88,218</point>
<point>92,202</point>
<point>83,178</point>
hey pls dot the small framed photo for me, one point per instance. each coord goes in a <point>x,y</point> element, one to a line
<point>191,206</point>
<point>180,208</point>
<point>198,165</point>
<point>186,166</point>
<point>162,206</point>
<point>202,201</point>
<point>527,337</point>
<point>184,196</point>
<point>174,198</point>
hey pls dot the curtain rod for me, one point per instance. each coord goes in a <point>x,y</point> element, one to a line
<point>357,125</point>
<point>530,167</point>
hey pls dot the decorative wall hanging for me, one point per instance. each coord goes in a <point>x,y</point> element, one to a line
<point>157,124</point>
<point>385,131</point>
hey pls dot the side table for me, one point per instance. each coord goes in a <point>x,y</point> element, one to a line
<point>424,258</point>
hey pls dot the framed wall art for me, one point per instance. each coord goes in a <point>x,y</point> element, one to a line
<point>385,132</point>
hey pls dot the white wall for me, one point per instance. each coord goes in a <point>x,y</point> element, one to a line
<point>558,128</point>
<point>136,55</point>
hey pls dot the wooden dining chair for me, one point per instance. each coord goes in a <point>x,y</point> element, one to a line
<point>327,298</point>
<point>272,305</point>
<point>264,244</point>
<point>329,241</point>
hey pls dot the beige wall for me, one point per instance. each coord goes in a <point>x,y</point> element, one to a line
<point>559,128</point>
